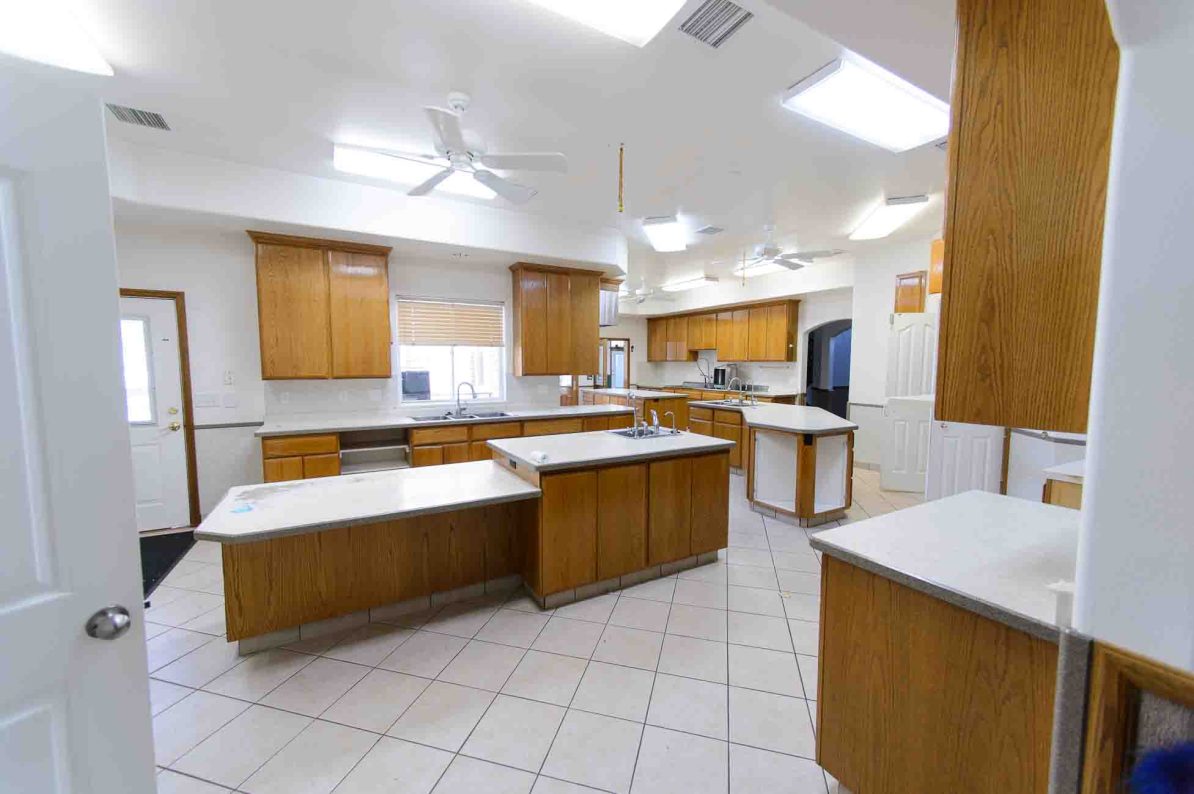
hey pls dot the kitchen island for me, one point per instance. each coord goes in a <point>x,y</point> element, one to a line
<point>939,646</point>
<point>615,508</point>
<point>798,459</point>
<point>600,511</point>
<point>643,401</point>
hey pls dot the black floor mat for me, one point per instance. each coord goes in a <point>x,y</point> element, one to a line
<point>159,555</point>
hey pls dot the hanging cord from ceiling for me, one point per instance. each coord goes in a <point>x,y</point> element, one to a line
<point>621,178</point>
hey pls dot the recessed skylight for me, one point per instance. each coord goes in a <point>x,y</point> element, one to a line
<point>45,31</point>
<point>633,21</point>
<point>404,171</point>
<point>666,233</point>
<point>869,102</point>
<point>889,216</point>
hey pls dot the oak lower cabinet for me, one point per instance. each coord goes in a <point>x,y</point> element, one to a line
<point>323,308</point>
<point>556,316</point>
<point>728,425</point>
<point>598,524</point>
<point>300,457</point>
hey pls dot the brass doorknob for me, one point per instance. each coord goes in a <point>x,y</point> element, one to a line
<point>175,426</point>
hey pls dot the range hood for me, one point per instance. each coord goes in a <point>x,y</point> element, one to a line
<point>608,312</point>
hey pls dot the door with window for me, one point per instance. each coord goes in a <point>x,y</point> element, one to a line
<point>153,398</point>
<point>445,345</point>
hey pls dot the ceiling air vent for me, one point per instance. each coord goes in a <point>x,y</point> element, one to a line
<point>715,21</point>
<point>710,230</point>
<point>142,118</point>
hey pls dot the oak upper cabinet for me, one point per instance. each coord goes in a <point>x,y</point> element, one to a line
<point>1033,102</point>
<point>555,320</point>
<point>910,292</point>
<point>772,332</point>
<point>733,332</point>
<point>702,332</point>
<point>657,339</point>
<point>323,308</point>
<point>677,339</point>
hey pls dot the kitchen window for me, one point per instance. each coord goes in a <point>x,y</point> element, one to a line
<point>444,343</point>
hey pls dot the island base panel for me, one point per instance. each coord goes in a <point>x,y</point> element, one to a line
<point>915,694</point>
<point>286,582</point>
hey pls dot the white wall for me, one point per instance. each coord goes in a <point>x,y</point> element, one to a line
<point>1135,583</point>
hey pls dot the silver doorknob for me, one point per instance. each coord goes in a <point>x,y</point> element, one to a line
<point>109,623</point>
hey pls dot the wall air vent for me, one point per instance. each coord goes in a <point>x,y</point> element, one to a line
<point>710,230</point>
<point>715,21</point>
<point>142,118</point>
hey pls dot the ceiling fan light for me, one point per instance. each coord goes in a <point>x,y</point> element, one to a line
<point>404,171</point>
<point>889,216</point>
<point>666,233</point>
<point>46,32</point>
<point>633,21</point>
<point>689,283</point>
<point>869,102</point>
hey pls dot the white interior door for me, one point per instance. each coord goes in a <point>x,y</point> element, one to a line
<point>153,398</point>
<point>912,354</point>
<point>74,710</point>
<point>963,457</point>
<point>904,451</point>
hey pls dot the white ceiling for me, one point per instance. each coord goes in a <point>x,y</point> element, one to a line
<point>274,83</point>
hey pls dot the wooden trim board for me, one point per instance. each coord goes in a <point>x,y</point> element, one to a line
<point>269,238</point>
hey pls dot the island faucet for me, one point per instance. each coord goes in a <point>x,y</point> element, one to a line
<point>730,387</point>
<point>673,416</point>
<point>655,420</point>
<point>471,388</point>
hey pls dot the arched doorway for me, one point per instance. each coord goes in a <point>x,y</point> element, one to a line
<point>828,373</point>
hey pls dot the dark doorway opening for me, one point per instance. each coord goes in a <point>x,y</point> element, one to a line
<point>829,366</point>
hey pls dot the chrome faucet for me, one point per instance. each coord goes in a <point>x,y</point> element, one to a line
<point>730,387</point>
<point>673,416</point>
<point>459,407</point>
<point>655,420</point>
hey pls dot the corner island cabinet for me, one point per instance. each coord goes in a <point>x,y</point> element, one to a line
<point>939,646</point>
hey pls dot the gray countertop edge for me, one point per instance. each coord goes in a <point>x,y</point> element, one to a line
<point>766,426</point>
<point>307,529</point>
<point>611,461</point>
<point>409,422</point>
<point>999,614</point>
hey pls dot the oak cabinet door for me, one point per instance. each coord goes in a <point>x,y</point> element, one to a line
<point>320,466</point>
<point>281,469</point>
<point>710,502</point>
<point>757,334</point>
<point>585,310</point>
<point>530,318</point>
<point>359,288</point>
<point>568,535</point>
<point>669,520</point>
<point>292,312</point>
<point>621,520</point>
<point>657,339</point>
<point>456,453</point>
<point>430,455</point>
<point>559,324</point>
<point>731,433</point>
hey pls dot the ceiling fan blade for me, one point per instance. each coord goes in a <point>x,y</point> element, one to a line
<point>529,161</point>
<point>515,194</point>
<point>447,128</point>
<point>430,184</point>
<point>808,256</point>
<point>790,264</point>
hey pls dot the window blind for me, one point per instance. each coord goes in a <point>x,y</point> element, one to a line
<point>431,322</point>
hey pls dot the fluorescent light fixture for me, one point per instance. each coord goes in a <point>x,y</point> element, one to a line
<point>404,170</point>
<point>869,102</point>
<point>633,21</point>
<point>689,283</point>
<point>759,269</point>
<point>666,233</point>
<point>889,216</point>
<point>46,32</point>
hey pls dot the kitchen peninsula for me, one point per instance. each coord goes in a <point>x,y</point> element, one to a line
<point>570,515</point>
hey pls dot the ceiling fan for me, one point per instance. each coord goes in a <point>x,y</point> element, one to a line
<point>642,294</point>
<point>458,152</point>
<point>768,253</point>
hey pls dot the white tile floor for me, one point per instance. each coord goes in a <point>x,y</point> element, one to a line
<point>703,681</point>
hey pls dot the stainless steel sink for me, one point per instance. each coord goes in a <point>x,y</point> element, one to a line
<point>489,414</point>
<point>630,433</point>
<point>451,417</point>
<point>728,402</point>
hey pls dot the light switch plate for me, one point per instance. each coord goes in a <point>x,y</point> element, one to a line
<point>207,400</point>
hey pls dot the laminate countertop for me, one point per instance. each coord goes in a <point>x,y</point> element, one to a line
<point>339,423</point>
<point>604,447</point>
<point>645,394</point>
<point>1074,472</point>
<point>990,554</point>
<point>785,418</point>
<point>250,513</point>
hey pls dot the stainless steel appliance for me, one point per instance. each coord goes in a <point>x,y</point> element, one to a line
<point>722,375</point>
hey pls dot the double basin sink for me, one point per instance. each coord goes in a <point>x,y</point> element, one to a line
<point>449,416</point>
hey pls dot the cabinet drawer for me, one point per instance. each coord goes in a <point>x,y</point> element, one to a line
<point>321,466</point>
<point>727,417</point>
<point>702,426</point>
<point>700,414</point>
<point>547,427</point>
<point>282,469</point>
<point>285,446</point>
<point>456,453</point>
<point>495,430</point>
<point>430,455</point>
<point>438,435</point>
